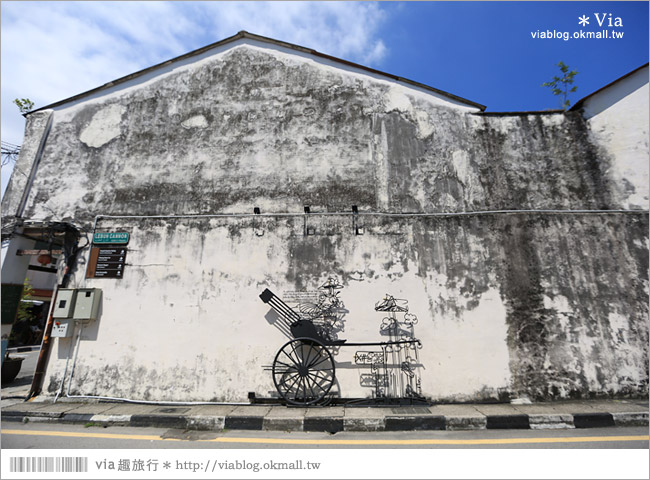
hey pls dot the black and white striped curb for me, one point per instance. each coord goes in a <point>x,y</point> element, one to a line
<point>335,424</point>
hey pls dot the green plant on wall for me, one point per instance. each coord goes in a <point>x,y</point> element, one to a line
<point>560,85</point>
<point>24,314</point>
<point>24,104</point>
<point>25,308</point>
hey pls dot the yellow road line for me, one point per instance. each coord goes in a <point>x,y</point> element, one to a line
<point>283,441</point>
<point>430,441</point>
<point>48,433</point>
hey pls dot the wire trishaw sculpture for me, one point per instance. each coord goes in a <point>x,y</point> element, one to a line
<point>304,370</point>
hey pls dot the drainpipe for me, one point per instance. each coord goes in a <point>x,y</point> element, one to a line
<point>74,362</point>
<point>43,355</point>
<point>70,252</point>
<point>65,370</point>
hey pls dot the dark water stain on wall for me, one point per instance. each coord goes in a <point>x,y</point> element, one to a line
<point>312,257</point>
<point>269,134</point>
<point>528,321</point>
<point>587,264</point>
<point>403,146</point>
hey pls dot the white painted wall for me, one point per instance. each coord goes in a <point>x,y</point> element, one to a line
<point>618,117</point>
<point>186,322</point>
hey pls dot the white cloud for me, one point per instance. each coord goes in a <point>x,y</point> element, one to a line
<point>54,50</point>
<point>342,29</point>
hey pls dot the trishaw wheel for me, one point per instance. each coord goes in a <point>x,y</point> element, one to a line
<point>303,371</point>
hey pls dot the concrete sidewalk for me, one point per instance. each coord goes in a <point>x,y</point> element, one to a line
<point>574,414</point>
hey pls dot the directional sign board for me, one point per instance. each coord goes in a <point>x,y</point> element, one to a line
<point>106,262</point>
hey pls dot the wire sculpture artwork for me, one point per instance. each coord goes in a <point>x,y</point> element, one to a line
<point>328,313</point>
<point>395,368</point>
<point>303,370</point>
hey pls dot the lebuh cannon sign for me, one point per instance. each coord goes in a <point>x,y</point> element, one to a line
<point>111,238</point>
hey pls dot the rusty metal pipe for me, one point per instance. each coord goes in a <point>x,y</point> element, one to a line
<point>43,355</point>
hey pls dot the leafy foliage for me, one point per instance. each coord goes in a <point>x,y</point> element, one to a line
<point>24,104</point>
<point>24,317</point>
<point>9,150</point>
<point>560,85</point>
<point>25,308</point>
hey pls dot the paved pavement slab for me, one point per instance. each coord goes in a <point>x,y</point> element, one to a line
<point>456,410</point>
<point>131,409</point>
<point>618,406</point>
<point>325,412</point>
<point>576,406</point>
<point>497,409</point>
<point>58,407</point>
<point>93,408</point>
<point>214,410</point>
<point>284,412</point>
<point>25,407</point>
<point>540,409</point>
<point>367,412</point>
<point>16,391</point>
<point>5,403</point>
<point>411,411</point>
<point>250,411</point>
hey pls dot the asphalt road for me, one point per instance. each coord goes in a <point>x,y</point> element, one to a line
<point>48,435</point>
<point>28,366</point>
<point>160,453</point>
<point>20,386</point>
<point>565,451</point>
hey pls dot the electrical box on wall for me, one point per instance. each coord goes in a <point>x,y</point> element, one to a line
<point>65,302</point>
<point>87,303</point>
<point>62,328</point>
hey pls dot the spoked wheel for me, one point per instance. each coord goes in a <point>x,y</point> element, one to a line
<point>303,371</point>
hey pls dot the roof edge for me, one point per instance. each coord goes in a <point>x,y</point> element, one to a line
<point>244,34</point>
<point>138,73</point>
<point>530,112</point>
<point>579,103</point>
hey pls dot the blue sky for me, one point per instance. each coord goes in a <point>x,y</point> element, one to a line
<point>482,51</point>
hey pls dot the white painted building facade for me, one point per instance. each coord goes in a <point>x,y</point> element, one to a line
<point>519,240</point>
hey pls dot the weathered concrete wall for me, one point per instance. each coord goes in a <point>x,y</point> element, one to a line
<point>542,305</point>
<point>37,128</point>
<point>618,120</point>
<point>549,306</point>
<point>255,126</point>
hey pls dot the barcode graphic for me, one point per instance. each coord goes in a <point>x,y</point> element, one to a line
<point>48,464</point>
